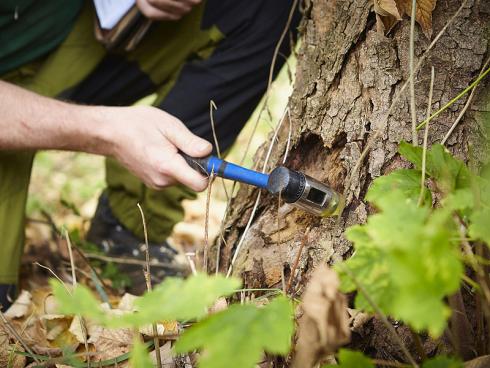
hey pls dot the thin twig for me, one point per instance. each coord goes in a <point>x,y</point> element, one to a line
<point>426,136</point>
<point>212,107</point>
<point>413,108</point>
<point>11,330</point>
<point>381,315</point>
<point>461,94</point>
<point>461,114</point>
<point>81,321</point>
<point>298,257</point>
<point>206,222</point>
<point>373,138</point>
<point>156,341</point>
<point>288,143</point>
<point>131,261</point>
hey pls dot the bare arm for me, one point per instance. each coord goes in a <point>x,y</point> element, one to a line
<point>142,138</point>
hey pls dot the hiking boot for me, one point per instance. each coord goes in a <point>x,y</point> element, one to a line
<point>7,295</point>
<point>128,251</point>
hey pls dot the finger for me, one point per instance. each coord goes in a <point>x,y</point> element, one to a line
<point>171,6</point>
<point>186,175</point>
<point>181,137</point>
<point>154,13</point>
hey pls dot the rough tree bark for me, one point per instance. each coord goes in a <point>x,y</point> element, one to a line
<point>346,79</point>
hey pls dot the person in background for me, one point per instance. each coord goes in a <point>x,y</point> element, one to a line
<point>62,89</point>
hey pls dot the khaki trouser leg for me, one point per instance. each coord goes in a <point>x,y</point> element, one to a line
<point>15,172</point>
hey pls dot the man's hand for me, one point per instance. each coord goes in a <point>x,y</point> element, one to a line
<point>144,139</point>
<point>166,9</point>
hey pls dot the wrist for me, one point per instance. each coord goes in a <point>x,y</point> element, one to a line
<point>97,129</point>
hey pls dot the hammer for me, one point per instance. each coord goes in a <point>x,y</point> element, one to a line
<point>292,186</point>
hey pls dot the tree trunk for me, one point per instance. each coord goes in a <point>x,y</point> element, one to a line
<point>347,77</point>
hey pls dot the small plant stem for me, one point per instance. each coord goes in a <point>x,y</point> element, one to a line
<point>468,103</point>
<point>461,94</point>
<point>298,257</point>
<point>426,136</point>
<point>122,260</point>
<point>11,330</point>
<point>413,108</point>
<point>212,107</point>
<point>206,222</point>
<point>147,274</point>
<point>83,328</point>
<point>381,315</point>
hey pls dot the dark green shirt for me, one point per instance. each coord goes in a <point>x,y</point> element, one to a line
<point>31,28</point>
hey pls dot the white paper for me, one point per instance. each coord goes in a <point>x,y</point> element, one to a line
<point>110,12</point>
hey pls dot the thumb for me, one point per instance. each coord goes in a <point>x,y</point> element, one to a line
<point>188,142</point>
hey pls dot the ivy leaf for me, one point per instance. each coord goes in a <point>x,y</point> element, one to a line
<point>174,299</point>
<point>442,362</point>
<point>237,336</point>
<point>351,359</point>
<point>139,357</point>
<point>479,227</point>
<point>405,180</point>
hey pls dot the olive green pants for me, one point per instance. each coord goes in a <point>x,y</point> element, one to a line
<point>158,59</point>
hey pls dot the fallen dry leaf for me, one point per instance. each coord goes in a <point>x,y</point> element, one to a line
<point>111,343</point>
<point>165,354</point>
<point>480,362</point>
<point>218,306</point>
<point>386,8</point>
<point>389,12</point>
<point>324,324</point>
<point>423,13</point>
<point>21,306</point>
<point>7,358</point>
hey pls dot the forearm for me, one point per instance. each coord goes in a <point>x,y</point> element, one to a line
<point>30,122</point>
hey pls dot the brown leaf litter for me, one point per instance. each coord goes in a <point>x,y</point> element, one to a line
<point>324,324</point>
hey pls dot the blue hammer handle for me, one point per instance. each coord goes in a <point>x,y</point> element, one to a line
<point>227,170</point>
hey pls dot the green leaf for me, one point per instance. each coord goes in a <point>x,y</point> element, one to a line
<point>442,362</point>
<point>405,180</point>
<point>237,336</point>
<point>351,359</point>
<point>371,269</point>
<point>139,357</point>
<point>178,299</point>
<point>407,262</point>
<point>411,153</point>
<point>448,172</point>
<point>459,199</point>
<point>479,227</point>
<point>79,302</point>
<point>174,299</point>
